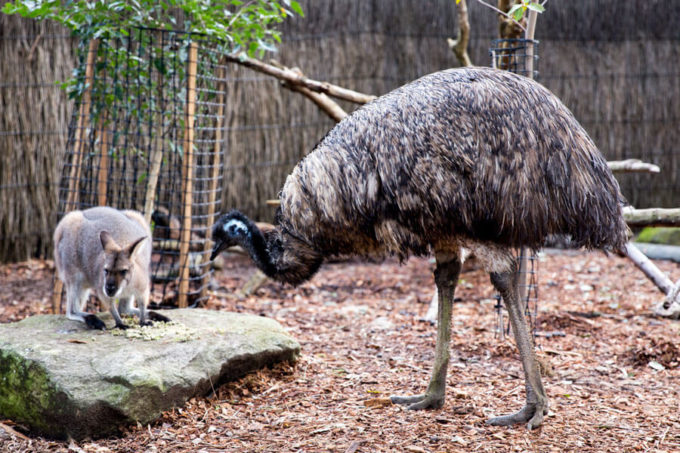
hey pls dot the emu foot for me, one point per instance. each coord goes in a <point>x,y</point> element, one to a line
<point>531,414</point>
<point>417,402</point>
<point>153,316</point>
<point>94,323</point>
<point>122,326</point>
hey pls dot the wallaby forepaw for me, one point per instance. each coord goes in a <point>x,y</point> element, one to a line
<point>153,316</point>
<point>94,323</point>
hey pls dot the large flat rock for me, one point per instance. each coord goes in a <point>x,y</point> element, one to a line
<point>61,379</point>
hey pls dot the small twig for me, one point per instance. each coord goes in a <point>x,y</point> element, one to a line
<point>12,431</point>
<point>33,46</point>
<point>503,14</point>
<point>239,12</point>
<point>354,446</point>
<point>663,437</point>
<point>510,392</point>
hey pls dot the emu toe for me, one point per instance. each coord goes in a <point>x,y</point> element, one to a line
<point>417,402</point>
<point>530,414</point>
<point>122,326</point>
<point>94,323</point>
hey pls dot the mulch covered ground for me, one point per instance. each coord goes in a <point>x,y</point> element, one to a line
<point>612,368</point>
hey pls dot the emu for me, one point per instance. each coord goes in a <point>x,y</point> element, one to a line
<point>472,158</point>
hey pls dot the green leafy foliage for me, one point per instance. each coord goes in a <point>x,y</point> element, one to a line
<point>131,68</point>
<point>519,9</point>
<point>240,25</point>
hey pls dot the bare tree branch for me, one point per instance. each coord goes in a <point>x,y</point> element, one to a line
<point>503,13</point>
<point>328,105</point>
<point>632,165</point>
<point>651,217</point>
<point>459,46</point>
<point>295,78</point>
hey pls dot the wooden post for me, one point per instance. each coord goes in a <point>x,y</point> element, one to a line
<point>156,157</point>
<point>74,173</point>
<point>215,168</point>
<point>103,170</point>
<point>187,176</point>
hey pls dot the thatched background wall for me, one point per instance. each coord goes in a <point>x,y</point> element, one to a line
<point>34,116</point>
<point>615,64</point>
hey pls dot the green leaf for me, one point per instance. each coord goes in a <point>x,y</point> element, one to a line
<point>536,7</point>
<point>517,11</point>
<point>295,6</point>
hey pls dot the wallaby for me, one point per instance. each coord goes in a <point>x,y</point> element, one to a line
<point>108,251</point>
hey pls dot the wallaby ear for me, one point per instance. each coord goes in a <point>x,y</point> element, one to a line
<point>108,243</point>
<point>134,247</point>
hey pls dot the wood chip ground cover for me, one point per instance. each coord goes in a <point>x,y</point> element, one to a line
<point>613,374</point>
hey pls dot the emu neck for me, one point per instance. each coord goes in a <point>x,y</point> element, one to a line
<point>283,257</point>
<point>257,248</point>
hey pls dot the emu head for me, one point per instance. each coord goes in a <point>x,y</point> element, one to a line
<point>118,263</point>
<point>231,229</point>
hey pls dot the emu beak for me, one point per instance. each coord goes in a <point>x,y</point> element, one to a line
<point>219,246</point>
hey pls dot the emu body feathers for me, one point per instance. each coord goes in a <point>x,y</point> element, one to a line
<point>475,158</point>
<point>474,153</point>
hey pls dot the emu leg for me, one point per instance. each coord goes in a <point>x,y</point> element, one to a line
<point>536,401</point>
<point>446,277</point>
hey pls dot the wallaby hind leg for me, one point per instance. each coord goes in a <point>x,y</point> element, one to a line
<point>147,317</point>
<point>76,300</point>
<point>126,306</point>
<point>157,317</point>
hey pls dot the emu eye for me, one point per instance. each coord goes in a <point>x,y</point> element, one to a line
<point>232,229</point>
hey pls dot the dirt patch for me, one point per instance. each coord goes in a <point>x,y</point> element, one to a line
<point>362,340</point>
<point>660,351</point>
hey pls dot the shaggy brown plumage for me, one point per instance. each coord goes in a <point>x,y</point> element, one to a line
<point>476,158</point>
<point>477,153</point>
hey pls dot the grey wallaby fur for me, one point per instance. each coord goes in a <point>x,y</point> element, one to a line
<point>109,252</point>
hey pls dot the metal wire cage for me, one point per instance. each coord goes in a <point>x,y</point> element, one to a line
<point>146,134</point>
<point>515,55</point>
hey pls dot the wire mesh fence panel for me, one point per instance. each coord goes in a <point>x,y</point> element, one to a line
<point>520,56</point>
<point>146,135</point>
